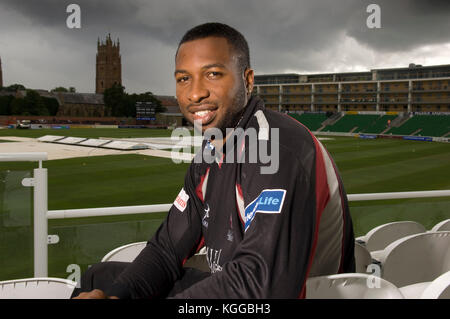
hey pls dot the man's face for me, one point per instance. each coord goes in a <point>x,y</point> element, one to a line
<point>210,88</point>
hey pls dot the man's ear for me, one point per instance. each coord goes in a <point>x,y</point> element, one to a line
<point>249,78</point>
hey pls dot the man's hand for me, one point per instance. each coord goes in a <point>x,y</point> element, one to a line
<point>94,294</point>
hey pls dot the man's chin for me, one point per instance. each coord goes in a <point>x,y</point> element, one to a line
<point>203,127</point>
<point>210,127</point>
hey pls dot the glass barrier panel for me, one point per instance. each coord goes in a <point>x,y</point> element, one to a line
<point>85,241</point>
<point>426,211</point>
<point>16,224</point>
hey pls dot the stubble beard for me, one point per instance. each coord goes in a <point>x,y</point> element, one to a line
<point>232,118</point>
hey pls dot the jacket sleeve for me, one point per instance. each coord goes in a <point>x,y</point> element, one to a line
<point>159,265</point>
<point>273,259</point>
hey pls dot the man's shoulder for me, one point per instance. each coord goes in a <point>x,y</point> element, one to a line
<point>293,136</point>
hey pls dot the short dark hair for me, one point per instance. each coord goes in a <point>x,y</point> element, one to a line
<point>216,29</point>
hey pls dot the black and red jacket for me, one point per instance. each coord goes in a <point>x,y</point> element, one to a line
<point>265,234</point>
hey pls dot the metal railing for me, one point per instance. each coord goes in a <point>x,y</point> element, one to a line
<point>162,208</point>
<point>42,214</point>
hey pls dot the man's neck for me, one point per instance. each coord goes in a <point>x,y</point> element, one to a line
<point>218,143</point>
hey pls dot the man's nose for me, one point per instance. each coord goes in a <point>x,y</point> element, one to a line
<point>198,92</point>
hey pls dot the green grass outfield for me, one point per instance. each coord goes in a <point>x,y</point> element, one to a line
<point>88,132</point>
<point>366,166</point>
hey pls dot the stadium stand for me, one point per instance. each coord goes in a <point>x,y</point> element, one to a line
<point>381,236</point>
<point>313,121</point>
<point>417,124</point>
<point>352,123</point>
<point>351,286</point>
<point>379,125</point>
<point>424,125</point>
<point>37,288</point>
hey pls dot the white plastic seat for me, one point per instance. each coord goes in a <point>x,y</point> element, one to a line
<point>414,291</point>
<point>441,226</point>
<point>350,286</point>
<point>381,236</point>
<point>417,258</point>
<point>37,288</point>
<point>438,288</point>
<point>362,258</point>
<point>126,253</point>
<point>377,254</point>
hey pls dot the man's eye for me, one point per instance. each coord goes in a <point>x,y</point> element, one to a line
<point>182,79</point>
<point>214,74</point>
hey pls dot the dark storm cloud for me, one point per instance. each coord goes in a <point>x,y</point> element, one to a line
<point>406,24</point>
<point>281,25</point>
<point>283,35</point>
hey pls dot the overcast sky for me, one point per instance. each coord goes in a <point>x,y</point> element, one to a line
<point>39,51</point>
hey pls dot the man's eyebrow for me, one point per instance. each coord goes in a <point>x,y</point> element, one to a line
<point>179,71</point>
<point>214,65</point>
<point>205,67</point>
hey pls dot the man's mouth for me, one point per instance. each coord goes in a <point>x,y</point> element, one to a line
<point>204,116</point>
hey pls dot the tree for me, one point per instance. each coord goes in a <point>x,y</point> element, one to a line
<point>35,104</point>
<point>15,88</point>
<point>51,104</point>
<point>5,104</point>
<point>31,104</point>
<point>114,99</point>
<point>119,103</point>
<point>19,107</point>
<point>149,97</point>
<point>71,89</point>
<point>60,89</point>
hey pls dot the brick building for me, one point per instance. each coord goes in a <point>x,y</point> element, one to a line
<point>415,88</point>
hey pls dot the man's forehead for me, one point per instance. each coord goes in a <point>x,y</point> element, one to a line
<point>210,50</point>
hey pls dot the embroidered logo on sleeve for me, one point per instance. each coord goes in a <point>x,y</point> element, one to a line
<point>270,201</point>
<point>181,200</point>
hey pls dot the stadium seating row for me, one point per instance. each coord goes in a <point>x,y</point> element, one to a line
<point>381,236</point>
<point>352,123</point>
<point>364,286</point>
<point>379,125</point>
<point>429,125</point>
<point>423,125</point>
<point>403,259</point>
<point>406,254</point>
<point>313,121</point>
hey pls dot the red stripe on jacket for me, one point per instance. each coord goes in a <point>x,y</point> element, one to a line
<point>322,197</point>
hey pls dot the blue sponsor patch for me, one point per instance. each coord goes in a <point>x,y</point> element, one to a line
<point>270,201</point>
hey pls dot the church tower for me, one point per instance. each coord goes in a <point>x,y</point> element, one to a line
<point>109,66</point>
<point>1,74</point>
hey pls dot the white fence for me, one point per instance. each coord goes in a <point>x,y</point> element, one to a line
<point>42,215</point>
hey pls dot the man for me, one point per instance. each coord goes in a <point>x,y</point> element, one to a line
<point>264,234</point>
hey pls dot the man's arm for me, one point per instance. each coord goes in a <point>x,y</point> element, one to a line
<point>94,294</point>
<point>159,265</point>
